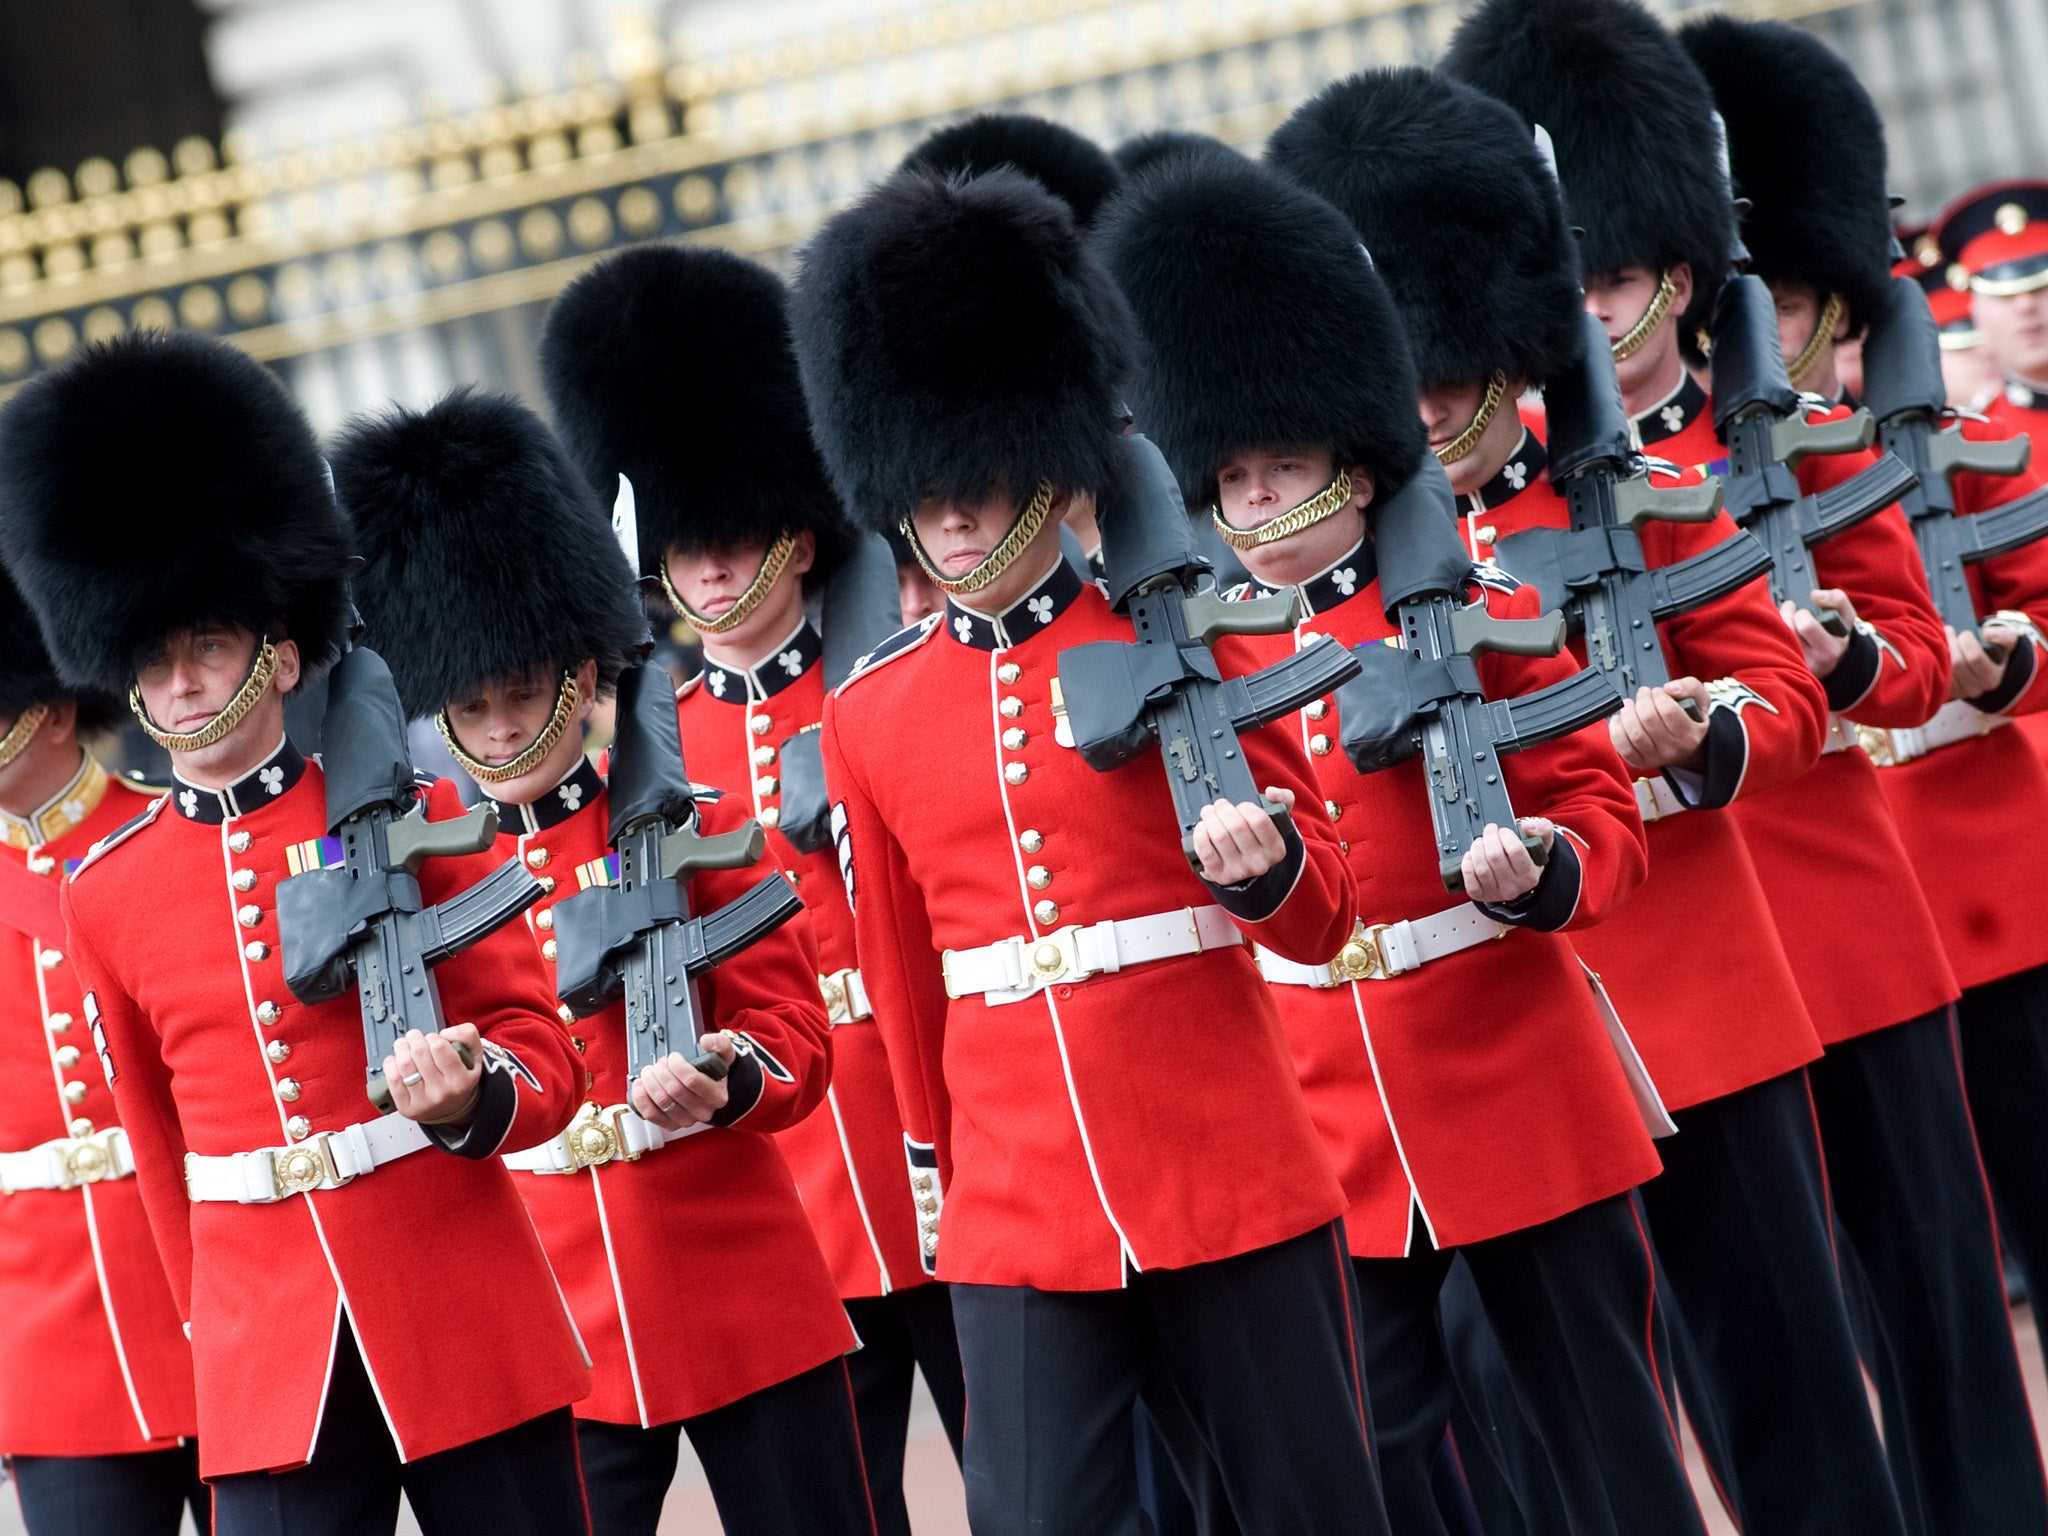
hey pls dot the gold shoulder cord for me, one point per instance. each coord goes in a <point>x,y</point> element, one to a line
<point>567,697</point>
<point>998,560</point>
<point>1325,503</point>
<point>1640,332</point>
<point>1463,444</point>
<point>757,590</point>
<point>232,714</point>
<point>1823,337</point>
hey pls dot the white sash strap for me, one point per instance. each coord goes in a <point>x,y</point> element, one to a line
<point>1013,969</point>
<point>1955,721</point>
<point>598,1135</point>
<point>326,1161</point>
<point>68,1162</point>
<point>1656,799</point>
<point>1386,950</point>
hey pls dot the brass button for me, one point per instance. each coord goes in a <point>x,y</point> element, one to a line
<point>763,756</point>
<point>544,920</point>
<point>74,1093</point>
<point>1319,744</point>
<point>243,880</point>
<point>81,1127</point>
<point>1047,913</point>
<point>278,1052</point>
<point>1484,533</point>
<point>1038,877</point>
<point>59,1022</point>
<point>1318,709</point>
<point>1016,773</point>
<point>238,842</point>
<point>1009,672</point>
<point>1030,842</point>
<point>249,917</point>
<point>298,1128</point>
<point>1014,739</point>
<point>267,1013</point>
<point>566,1014</point>
<point>41,864</point>
<point>257,950</point>
<point>537,858</point>
<point>771,818</point>
<point>1011,707</point>
<point>67,1057</point>
<point>546,884</point>
<point>1333,808</point>
<point>288,1089</point>
<point>795,877</point>
<point>766,786</point>
<point>547,949</point>
<point>759,725</point>
<point>580,1043</point>
<point>49,959</point>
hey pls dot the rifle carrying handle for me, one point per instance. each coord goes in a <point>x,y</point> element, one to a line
<point>380,1091</point>
<point>1951,453</point>
<point>685,851</point>
<point>1637,501</point>
<point>1209,615</point>
<point>410,840</point>
<point>1475,631</point>
<point>1794,437</point>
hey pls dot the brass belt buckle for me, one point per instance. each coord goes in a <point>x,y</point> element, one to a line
<point>305,1167</point>
<point>591,1140</point>
<point>1876,745</point>
<point>1055,957</point>
<point>837,989</point>
<point>1362,957</point>
<point>90,1159</point>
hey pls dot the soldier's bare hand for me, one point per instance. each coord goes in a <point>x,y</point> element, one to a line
<point>1497,867</point>
<point>1652,732</point>
<point>1236,843</point>
<point>1824,652</point>
<point>1976,670</point>
<point>675,1095</point>
<point>445,1092</point>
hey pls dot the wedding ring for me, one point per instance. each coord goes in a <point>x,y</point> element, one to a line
<point>410,1078</point>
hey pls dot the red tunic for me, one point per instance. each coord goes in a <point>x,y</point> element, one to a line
<point>1727,1013</point>
<point>692,1274</point>
<point>93,1360</point>
<point>1146,1117</point>
<point>848,1154</point>
<point>1482,1088</point>
<point>195,1017</point>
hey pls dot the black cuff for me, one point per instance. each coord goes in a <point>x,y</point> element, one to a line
<point>744,1086</point>
<point>1727,759</point>
<point>497,1099</point>
<point>2019,676</point>
<point>1551,904</point>
<point>1256,899</point>
<point>1855,674</point>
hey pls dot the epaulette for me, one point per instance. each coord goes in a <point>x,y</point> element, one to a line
<point>121,834</point>
<point>1487,574</point>
<point>902,643</point>
<point>710,794</point>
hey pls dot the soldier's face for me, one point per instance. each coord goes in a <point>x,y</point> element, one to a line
<point>2015,328</point>
<point>916,595</point>
<point>196,674</point>
<point>505,716</point>
<point>1618,300</point>
<point>44,764</point>
<point>958,535</point>
<point>711,581</point>
<point>1799,307</point>
<point>1255,486</point>
<point>1970,375</point>
<point>1449,409</point>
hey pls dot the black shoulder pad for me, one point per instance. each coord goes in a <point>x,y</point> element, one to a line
<point>902,643</point>
<point>121,834</point>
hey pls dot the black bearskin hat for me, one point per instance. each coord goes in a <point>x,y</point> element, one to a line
<point>160,482</point>
<point>1071,167</point>
<point>486,555</point>
<point>1149,149</point>
<point>1633,125</point>
<point>1265,324</point>
<point>1462,215</point>
<point>27,675</point>
<point>956,338</point>
<point>1807,148</point>
<point>671,365</point>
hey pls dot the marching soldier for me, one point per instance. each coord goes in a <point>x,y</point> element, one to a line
<point>96,1411</point>
<point>1090,1072</point>
<point>666,1210</point>
<point>1514,1142</point>
<point>1968,368</point>
<point>671,367</point>
<point>170,519</point>
<point>1740,1216</point>
<point>1807,149</point>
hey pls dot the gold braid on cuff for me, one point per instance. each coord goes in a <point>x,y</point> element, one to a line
<point>232,713</point>
<point>1331,499</point>
<point>1640,332</point>
<point>757,591</point>
<point>1461,445</point>
<point>22,732</point>
<point>567,697</point>
<point>999,559</point>
<point>1823,337</point>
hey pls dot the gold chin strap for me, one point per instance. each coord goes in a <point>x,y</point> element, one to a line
<point>1641,331</point>
<point>998,560</point>
<point>567,697</point>
<point>1463,444</point>
<point>232,713</point>
<point>22,732</point>
<point>1823,337</point>
<point>757,591</point>
<point>1330,500</point>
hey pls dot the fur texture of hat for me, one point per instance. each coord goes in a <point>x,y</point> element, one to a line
<point>956,338</point>
<point>486,556</point>
<point>27,675</point>
<point>1462,215</point>
<point>1265,324</point>
<point>1071,166</point>
<point>671,365</point>
<point>161,482</point>
<point>1806,145</point>
<point>1632,122</point>
<point>1149,149</point>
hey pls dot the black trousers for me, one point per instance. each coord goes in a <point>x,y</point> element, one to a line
<point>1909,1193</point>
<point>1570,1305</point>
<point>1259,1351</point>
<point>784,1461</point>
<point>144,1494</point>
<point>901,1334</point>
<point>521,1481</point>
<point>1769,1369</point>
<point>2004,1029</point>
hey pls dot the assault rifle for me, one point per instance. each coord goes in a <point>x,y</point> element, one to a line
<point>638,939</point>
<point>1903,388</point>
<point>1761,420</point>
<point>1164,688</point>
<point>1424,697</point>
<point>365,924</point>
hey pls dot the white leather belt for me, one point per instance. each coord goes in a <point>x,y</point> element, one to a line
<point>846,997</point>
<point>326,1161</point>
<point>68,1162</point>
<point>1955,721</point>
<point>1656,799</point>
<point>1383,950</point>
<point>1841,736</point>
<point>598,1135</point>
<point>1013,969</point>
